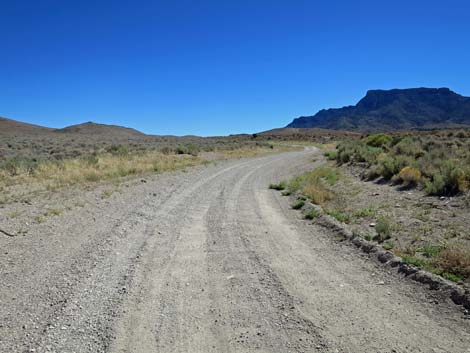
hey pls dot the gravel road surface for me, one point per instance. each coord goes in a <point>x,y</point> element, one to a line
<point>209,260</point>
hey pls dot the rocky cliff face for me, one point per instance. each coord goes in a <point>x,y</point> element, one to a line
<point>415,108</point>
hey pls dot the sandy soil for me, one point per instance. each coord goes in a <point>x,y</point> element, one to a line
<point>209,260</point>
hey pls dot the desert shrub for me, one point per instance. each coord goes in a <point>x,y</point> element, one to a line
<point>189,148</point>
<point>408,147</point>
<point>281,186</point>
<point>384,229</point>
<point>312,214</point>
<point>315,184</point>
<point>340,216</point>
<point>431,250</point>
<point>345,151</point>
<point>454,260</point>
<point>19,165</point>
<point>368,154</point>
<point>409,176</point>
<point>118,150</point>
<point>440,164</point>
<point>365,212</point>
<point>378,140</point>
<point>317,193</point>
<point>371,173</point>
<point>298,204</point>
<point>413,260</point>
<point>330,175</point>
<point>450,180</point>
<point>388,167</point>
<point>331,155</point>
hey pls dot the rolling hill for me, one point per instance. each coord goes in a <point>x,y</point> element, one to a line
<point>11,127</point>
<point>396,109</point>
<point>91,128</point>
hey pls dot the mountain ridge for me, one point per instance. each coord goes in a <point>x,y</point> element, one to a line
<point>395,109</point>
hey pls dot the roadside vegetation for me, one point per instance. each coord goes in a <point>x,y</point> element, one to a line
<point>438,162</point>
<point>315,185</point>
<point>93,168</point>
<point>419,205</point>
<point>26,172</point>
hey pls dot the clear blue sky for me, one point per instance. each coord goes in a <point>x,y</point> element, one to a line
<point>215,67</point>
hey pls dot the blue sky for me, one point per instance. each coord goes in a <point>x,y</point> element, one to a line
<point>216,67</point>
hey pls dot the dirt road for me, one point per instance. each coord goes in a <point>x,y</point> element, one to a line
<point>208,261</point>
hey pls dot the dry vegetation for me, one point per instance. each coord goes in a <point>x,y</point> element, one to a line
<point>40,159</point>
<point>91,168</point>
<point>438,162</point>
<point>408,192</point>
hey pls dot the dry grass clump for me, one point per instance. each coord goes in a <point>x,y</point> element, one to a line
<point>437,161</point>
<point>95,168</point>
<point>454,260</point>
<point>449,261</point>
<point>317,193</point>
<point>316,184</point>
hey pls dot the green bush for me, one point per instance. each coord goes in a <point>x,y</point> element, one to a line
<point>340,216</point>
<point>281,186</point>
<point>298,204</point>
<point>413,260</point>
<point>378,140</point>
<point>431,250</point>
<point>448,181</point>
<point>384,230</point>
<point>188,149</point>
<point>312,214</point>
<point>331,155</point>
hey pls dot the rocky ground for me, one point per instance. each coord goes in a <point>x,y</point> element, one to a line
<point>417,222</point>
<point>208,260</point>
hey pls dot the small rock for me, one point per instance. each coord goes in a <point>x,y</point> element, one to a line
<point>381,283</point>
<point>372,224</point>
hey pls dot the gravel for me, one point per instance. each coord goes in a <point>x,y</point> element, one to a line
<point>208,260</point>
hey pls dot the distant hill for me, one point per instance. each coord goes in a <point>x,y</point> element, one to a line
<point>13,127</point>
<point>396,109</point>
<point>93,129</point>
<point>16,128</point>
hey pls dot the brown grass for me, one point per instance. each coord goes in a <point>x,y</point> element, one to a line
<point>454,260</point>
<point>103,167</point>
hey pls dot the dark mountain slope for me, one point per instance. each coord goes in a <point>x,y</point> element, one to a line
<point>416,108</point>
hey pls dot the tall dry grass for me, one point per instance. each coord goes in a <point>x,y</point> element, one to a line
<point>90,169</point>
